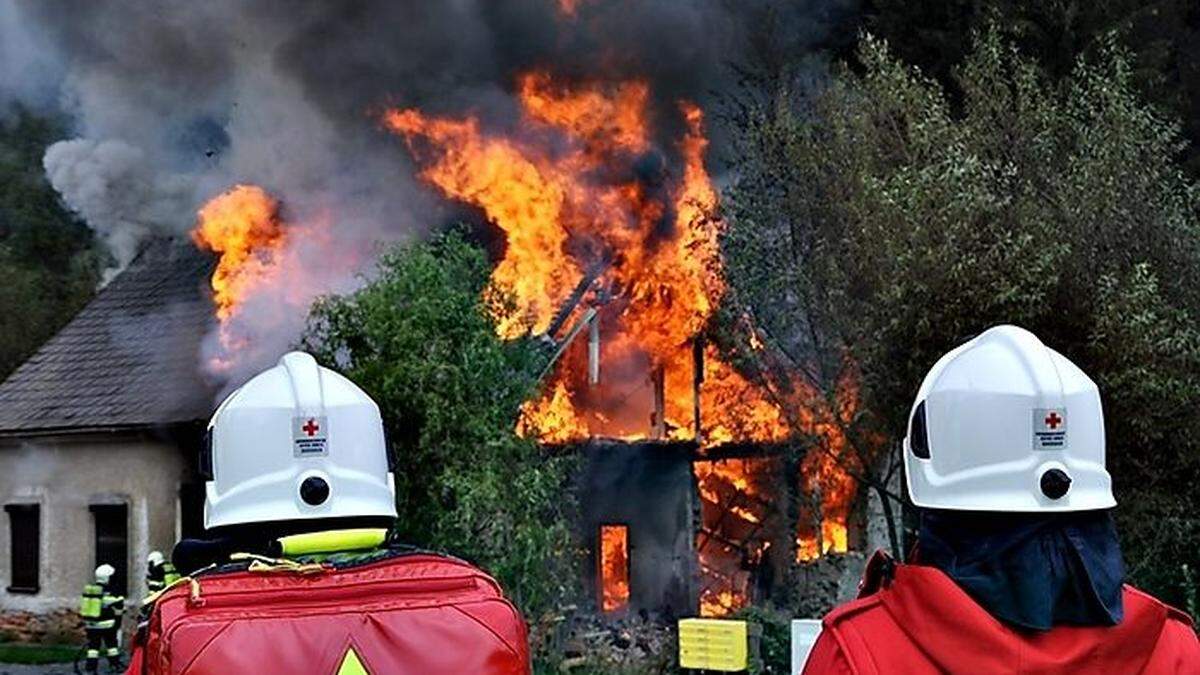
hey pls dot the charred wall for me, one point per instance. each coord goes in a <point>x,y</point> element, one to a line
<point>648,487</point>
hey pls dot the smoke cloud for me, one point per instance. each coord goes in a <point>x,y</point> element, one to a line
<point>176,101</point>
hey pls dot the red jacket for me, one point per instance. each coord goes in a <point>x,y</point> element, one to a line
<point>922,622</point>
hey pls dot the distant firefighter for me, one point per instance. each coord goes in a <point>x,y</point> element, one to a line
<point>160,573</point>
<point>101,612</point>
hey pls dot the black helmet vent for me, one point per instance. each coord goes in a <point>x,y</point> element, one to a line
<point>918,439</point>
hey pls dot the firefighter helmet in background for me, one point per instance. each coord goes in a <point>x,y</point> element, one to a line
<point>104,573</point>
<point>1004,423</point>
<point>298,441</point>
<point>155,558</point>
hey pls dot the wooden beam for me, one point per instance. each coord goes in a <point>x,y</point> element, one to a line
<point>588,317</point>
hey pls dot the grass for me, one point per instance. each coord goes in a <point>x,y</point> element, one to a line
<point>11,652</point>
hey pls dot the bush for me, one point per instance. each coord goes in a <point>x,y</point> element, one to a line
<point>775,641</point>
<point>419,340</point>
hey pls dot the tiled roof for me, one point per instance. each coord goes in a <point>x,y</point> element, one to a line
<point>130,358</point>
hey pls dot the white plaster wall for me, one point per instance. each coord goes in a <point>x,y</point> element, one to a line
<point>66,474</point>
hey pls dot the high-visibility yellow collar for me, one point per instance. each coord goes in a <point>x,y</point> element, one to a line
<point>332,541</point>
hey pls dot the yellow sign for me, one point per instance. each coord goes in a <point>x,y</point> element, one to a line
<point>351,665</point>
<point>714,644</point>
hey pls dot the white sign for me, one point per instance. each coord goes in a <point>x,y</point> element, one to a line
<point>804,635</point>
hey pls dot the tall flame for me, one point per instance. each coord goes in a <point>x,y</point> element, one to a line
<point>597,215</point>
<point>242,226</point>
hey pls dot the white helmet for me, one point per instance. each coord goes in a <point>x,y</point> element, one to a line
<point>155,558</point>
<point>298,441</point>
<point>104,573</point>
<point>1004,423</point>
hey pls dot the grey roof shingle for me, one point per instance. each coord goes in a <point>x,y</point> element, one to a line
<point>130,358</point>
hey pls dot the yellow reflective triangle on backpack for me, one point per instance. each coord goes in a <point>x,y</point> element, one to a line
<point>351,665</point>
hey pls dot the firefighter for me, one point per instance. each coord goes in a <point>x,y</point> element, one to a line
<point>300,496</point>
<point>304,485</point>
<point>1017,567</point>
<point>101,611</point>
<point>160,573</point>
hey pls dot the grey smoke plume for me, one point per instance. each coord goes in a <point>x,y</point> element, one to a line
<point>116,190</point>
<point>176,101</point>
<point>30,71</point>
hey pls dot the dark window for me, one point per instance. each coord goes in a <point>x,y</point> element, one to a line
<point>25,528</point>
<point>112,542</point>
<point>191,511</point>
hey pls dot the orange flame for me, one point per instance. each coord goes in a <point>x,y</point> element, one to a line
<point>526,200</point>
<point>588,203</point>
<point>825,477</point>
<point>614,567</point>
<point>736,502</point>
<point>242,226</point>
<point>268,264</point>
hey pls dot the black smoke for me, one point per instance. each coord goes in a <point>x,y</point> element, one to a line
<point>174,101</point>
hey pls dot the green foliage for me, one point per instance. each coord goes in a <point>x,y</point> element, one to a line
<point>775,641</point>
<point>47,259</point>
<point>886,224</point>
<point>935,35</point>
<point>419,340</point>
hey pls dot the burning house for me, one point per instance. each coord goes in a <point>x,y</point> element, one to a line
<point>611,257</point>
<point>583,159</point>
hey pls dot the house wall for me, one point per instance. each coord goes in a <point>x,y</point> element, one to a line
<point>67,474</point>
<point>649,488</point>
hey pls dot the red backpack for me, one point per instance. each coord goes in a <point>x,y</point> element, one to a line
<point>417,613</point>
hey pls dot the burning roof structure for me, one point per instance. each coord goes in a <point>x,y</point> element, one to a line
<point>610,228</point>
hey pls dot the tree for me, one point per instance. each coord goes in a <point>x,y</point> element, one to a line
<point>419,340</point>
<point>936,36</point>
<point>882,225</point>
<point>48,259</point>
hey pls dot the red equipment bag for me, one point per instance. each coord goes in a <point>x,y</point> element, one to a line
<point>416,613</point>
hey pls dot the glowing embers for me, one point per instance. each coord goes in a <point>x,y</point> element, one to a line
<point>612,557</point>
<point>740,519</point>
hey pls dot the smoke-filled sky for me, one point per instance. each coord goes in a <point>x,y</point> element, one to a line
<point>172,102</point>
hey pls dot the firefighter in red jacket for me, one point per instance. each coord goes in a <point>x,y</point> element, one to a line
<point>1017,567</point>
